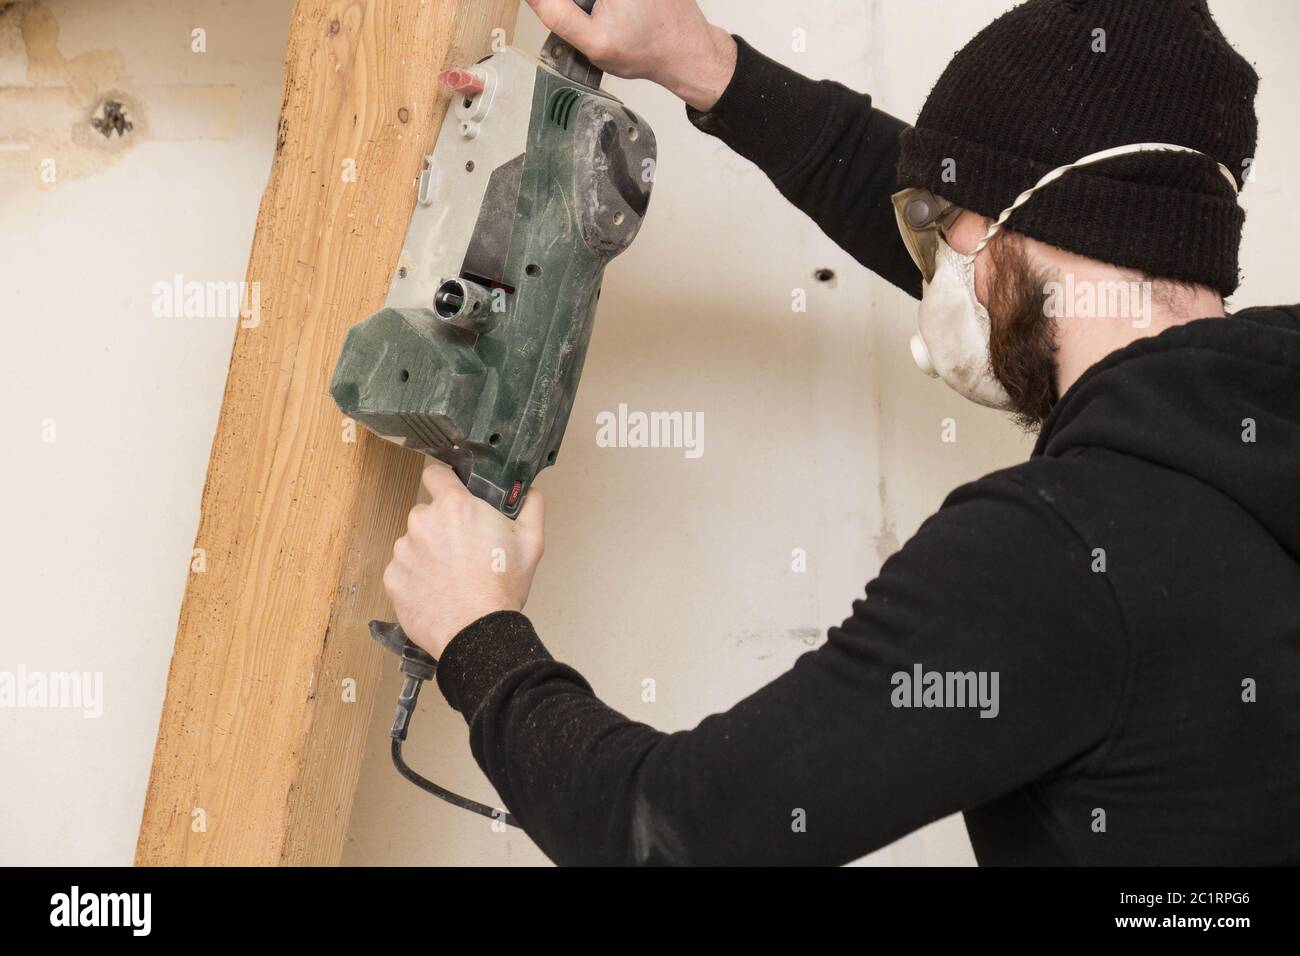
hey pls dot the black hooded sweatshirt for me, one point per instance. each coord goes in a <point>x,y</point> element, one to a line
<point>1114,625</point>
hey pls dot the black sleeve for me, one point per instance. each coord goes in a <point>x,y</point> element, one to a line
<point>822,765</point>
<point>826,149</point>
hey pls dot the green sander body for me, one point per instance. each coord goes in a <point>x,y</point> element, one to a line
<point>537,181</point>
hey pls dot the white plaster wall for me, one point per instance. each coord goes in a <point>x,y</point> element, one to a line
<point>819,433</point>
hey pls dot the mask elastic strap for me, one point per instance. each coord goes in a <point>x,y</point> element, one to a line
<point>1088,160</point>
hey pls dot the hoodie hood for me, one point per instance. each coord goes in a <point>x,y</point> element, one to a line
<point>1216,399</point>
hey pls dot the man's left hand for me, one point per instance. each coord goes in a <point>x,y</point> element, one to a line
<point>459,560</point>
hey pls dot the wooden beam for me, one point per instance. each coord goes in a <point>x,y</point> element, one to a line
<point>259,746</point>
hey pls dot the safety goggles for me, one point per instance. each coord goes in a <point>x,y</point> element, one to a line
<point>922,216</point>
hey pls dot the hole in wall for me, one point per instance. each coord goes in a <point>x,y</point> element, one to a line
<point>110,117</point>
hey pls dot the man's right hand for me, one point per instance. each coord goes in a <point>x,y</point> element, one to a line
<point>666,41</point>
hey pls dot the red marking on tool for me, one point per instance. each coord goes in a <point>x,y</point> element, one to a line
<point>462,81</point>
<point>514,494</point>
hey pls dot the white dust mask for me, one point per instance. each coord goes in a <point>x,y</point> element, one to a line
<point>953,342</point>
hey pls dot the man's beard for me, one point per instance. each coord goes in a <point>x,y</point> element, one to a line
<point>1022,340</point>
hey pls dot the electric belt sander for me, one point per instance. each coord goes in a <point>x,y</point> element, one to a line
<point>538,179</point>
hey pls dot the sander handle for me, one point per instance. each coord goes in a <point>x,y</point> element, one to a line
<point>563,57</point>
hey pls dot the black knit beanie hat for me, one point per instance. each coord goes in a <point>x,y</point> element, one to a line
<point>1054,80</point>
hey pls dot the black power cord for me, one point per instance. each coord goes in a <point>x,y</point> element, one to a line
<point>455,799</point>
<point>418,666</point>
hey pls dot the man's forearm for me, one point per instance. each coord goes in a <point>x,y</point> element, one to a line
<point>563,762</point>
